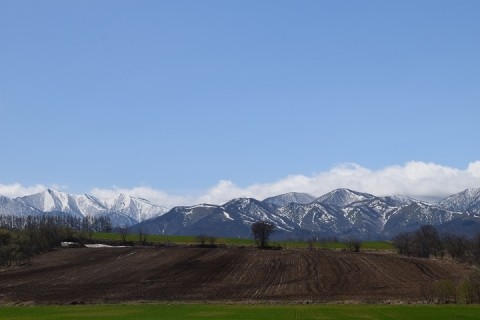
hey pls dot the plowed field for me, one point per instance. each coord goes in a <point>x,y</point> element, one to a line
<point>89,275</point>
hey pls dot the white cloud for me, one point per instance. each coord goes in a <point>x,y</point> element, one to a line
<point>17,190</point>
<point>416,179</point>
<point>474,169</point>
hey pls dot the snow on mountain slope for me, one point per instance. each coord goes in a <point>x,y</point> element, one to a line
<point>411,217</point>
<point>9,207</point>
<point>250,210</point>
<point>343,197</point>
<point>373,213</point>
<point>364,218</point>
<point>465,201</point>
<point>123,210</point>
<point>137,208</point>
<point>316,217</point>
<point>292,197</point>
<point>56,201</point>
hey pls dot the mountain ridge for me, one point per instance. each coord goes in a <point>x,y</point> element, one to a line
<point>123,210</point>
<point>341,212</point>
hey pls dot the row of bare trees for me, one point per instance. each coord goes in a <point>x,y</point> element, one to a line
<point>23,237</point>
<point>427,241</point>
<point>87,224</point>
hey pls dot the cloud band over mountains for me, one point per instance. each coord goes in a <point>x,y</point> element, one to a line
<point>416,179</point>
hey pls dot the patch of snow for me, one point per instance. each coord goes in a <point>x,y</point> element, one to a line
<point>99,245</point>
<point>227,215</point>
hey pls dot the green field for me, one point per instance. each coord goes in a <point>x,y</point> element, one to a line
<point>252,312</point>
<point>368,245</point>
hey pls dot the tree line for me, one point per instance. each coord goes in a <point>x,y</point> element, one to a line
<point>23,237</point>
<point>427,241</point>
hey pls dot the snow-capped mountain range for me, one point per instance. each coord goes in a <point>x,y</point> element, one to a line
<point>123,210</point>
<point>341,213</point>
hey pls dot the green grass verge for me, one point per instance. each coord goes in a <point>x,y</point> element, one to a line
<point>237,312</point>
<point>368,245</point>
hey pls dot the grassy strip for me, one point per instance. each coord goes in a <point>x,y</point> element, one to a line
<point>234,312</point>
<point>368,245</point>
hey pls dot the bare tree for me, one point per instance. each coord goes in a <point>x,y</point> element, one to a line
<point>456,246</point>
<point>88,226</point>
<point>403,243</point>
<point>103,224</point>
<point>354,244</point>
<point>422,243</point>
<point>429,241</point>
<point>475,248</point>
<point>142,236</point>
<point>262,230</point>
<point>474,281</point>
<point>206,241</point>
<point>311,243</point>
<point>202,239</point>
<point>212,240</point>
<point>123,232</point>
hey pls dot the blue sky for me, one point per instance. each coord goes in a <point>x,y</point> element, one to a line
<point>181,98</point>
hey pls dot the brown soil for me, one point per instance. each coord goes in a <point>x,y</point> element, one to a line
<point>111,275</point>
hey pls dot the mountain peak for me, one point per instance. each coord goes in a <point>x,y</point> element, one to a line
<point>243,201</point>
<point>51,200</point>
<point>137,208</point>
<point>342,197</point>
<point>48,201</point>
<point>291,197</point>
<point>467,200</point>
